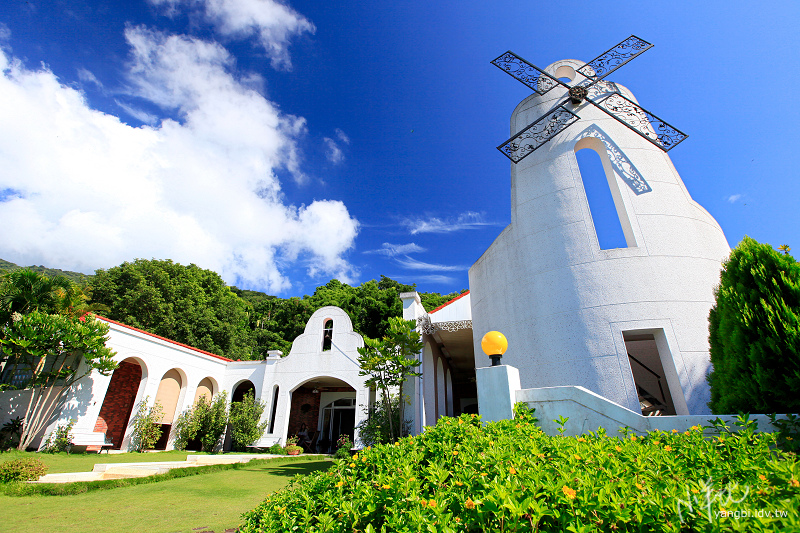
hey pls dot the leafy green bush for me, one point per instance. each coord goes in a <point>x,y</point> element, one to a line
<point>60,440</point>
<point>22,470</point>
<point>754,333</point>
<point>375,428</point>
<point>146,426</point>
<point>243,420</point>
<point>277,449</point>
<point>205,422</point>
<point>461,476</point>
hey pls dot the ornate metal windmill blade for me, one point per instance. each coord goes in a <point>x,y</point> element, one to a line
<point>536,134</point>
<point>641,121</point>
<point>609,61</point>
<point>532,76</point>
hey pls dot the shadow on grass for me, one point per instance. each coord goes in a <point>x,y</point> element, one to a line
<point>293,469</point>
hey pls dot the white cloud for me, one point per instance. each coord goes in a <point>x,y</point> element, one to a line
<point>271,22</point>
<point>91,191</point>
<point>391,250</point>
<point>332,151</point>
<point>342,136</point>
<point>86,76</point>
<point>467,220</point>
<point>413,264</point>
<point>5,33</point>
<point>734,198</point>
<point>138,114</point>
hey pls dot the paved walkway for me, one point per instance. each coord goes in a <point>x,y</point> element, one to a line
<point>125,470</point>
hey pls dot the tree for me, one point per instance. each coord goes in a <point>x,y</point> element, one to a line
<point>205,421</point>
<point>56,351</point>
<point>187,304</point>
<point>24,290</point>
<point>146,427</point>
<point>754,332</point>
<point>243,420</point>
<point>389,362</point>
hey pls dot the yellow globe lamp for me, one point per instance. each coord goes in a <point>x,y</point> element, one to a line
<point>494,344</point>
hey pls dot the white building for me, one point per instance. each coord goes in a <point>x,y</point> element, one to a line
<point>317,383</point>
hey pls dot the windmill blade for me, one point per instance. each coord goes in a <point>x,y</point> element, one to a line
<point>641,121</point>
<point>536,134</point>
<point>609,61</point>
<point>533,77</point>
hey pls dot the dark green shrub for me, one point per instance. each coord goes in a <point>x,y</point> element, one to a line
<point>243,420</point>
<point>60,440</point>
<point>204,422</point>
<point>10,433</point>
<point>754,333</point>
<point>29,469</point>
<point>460,476</point>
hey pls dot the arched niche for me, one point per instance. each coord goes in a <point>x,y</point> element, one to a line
<point>206,388</point>
<point>120,398</point>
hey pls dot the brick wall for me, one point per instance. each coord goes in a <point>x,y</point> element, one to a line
<point>297,417</point>
<point>118,403</point>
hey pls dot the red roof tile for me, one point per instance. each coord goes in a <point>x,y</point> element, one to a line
<point>448,303</point>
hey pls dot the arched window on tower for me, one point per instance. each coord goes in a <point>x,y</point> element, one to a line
<point>327,335</point>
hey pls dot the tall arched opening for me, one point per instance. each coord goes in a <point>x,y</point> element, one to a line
<point>169,392</point>
<point>119,401</point>
<point>326,408</point>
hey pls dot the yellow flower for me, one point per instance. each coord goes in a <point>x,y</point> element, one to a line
<point>423,502</point>
<point>695,428</point>
<point>794,483</point>
<point>339,484</point>
<point>674,430</point>
<point>484,474</point>
<point>685,432</point>
<point>656,442</point>
<point>455,452</point>
<point>363,459</point>
<point>512,471</point>
<point>762,477</point>
<point>459,483</point>
<point>633,437</point>
<point>577,457</point>
<point>618,448</point>
<point>457,519</point>
<point>432,504</point>
<point>568,492</point>
<point>397,443</point>
<point>789,438</point>
<point>355,457</point>
<point>491,443</point>
<point>541,455</point>
<point>695,491</point>
<point>638,486</point>
<point>469,504</point>
<point>352,465</point>
<point>460,421</point>
<point>668,448</point>
<point>581,439</point>
<point>385,487</point>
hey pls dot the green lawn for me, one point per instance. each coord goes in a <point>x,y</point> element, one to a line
<point>84,462</point>
<point>212,501</point>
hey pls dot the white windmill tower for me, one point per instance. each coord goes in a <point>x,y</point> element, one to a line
<point>628,323</point>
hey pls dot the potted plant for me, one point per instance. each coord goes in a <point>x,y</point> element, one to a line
<point>291,446</point>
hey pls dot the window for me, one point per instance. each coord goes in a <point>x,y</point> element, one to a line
<point>602,192</point>
<point>327,335</point>
<point>274,410</point>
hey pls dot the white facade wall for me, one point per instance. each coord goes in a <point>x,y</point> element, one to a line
<point>306,362</point>
<point>563,302</point>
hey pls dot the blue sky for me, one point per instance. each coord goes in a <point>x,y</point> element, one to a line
<point>282,145</point>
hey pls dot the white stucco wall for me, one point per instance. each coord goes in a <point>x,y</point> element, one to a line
<point>563,302</point>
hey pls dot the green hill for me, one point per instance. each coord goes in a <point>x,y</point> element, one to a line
<point>76,277</point>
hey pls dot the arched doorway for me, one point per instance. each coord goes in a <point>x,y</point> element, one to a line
<point>169,392</point>
<point>241,389</point>
<point>327,408</point>
<point>119,401</point>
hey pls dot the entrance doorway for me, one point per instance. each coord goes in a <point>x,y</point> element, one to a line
<point>338,418</point>
<point>648,374</point>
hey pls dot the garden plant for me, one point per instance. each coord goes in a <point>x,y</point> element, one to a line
<point>463,476</point>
